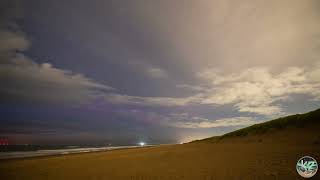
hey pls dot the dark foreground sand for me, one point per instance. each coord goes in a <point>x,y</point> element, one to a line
<point>270,156</point>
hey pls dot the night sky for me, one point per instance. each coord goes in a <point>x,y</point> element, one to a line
<point>169,71</point>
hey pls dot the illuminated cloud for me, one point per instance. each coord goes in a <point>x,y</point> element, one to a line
<point>12,40</point>
<point>235,35</point>
<point>257,90</point>
<point>149,101</point>
<point>197,122</point>
<point>157,73</point>
<point>191,87</point>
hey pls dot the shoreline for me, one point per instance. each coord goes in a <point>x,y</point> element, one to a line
<point>19,155</point>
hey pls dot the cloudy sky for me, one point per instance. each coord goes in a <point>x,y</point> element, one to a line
<point>156,71</point>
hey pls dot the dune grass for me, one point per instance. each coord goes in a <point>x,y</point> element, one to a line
<point>298,121</point>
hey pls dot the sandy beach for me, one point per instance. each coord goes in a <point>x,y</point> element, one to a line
<point>268,156</point>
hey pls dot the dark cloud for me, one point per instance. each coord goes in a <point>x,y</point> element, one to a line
<point>25,80</point>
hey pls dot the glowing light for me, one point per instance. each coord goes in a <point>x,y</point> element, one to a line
<point>142,143</point>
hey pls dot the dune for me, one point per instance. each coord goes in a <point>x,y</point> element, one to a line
<point>264,151</point>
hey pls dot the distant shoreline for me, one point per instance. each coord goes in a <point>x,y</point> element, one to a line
<point>59,152</point>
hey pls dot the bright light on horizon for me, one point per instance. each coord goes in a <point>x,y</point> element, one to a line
<point>142,143</point>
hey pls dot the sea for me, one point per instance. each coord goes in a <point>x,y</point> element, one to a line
<point>27,151</point>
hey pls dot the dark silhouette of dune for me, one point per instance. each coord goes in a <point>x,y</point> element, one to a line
<point>303,125</point>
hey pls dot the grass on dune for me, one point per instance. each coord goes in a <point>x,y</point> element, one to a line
<point>298,120</point>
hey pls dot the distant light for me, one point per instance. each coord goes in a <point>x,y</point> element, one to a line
<point>142,143</point>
